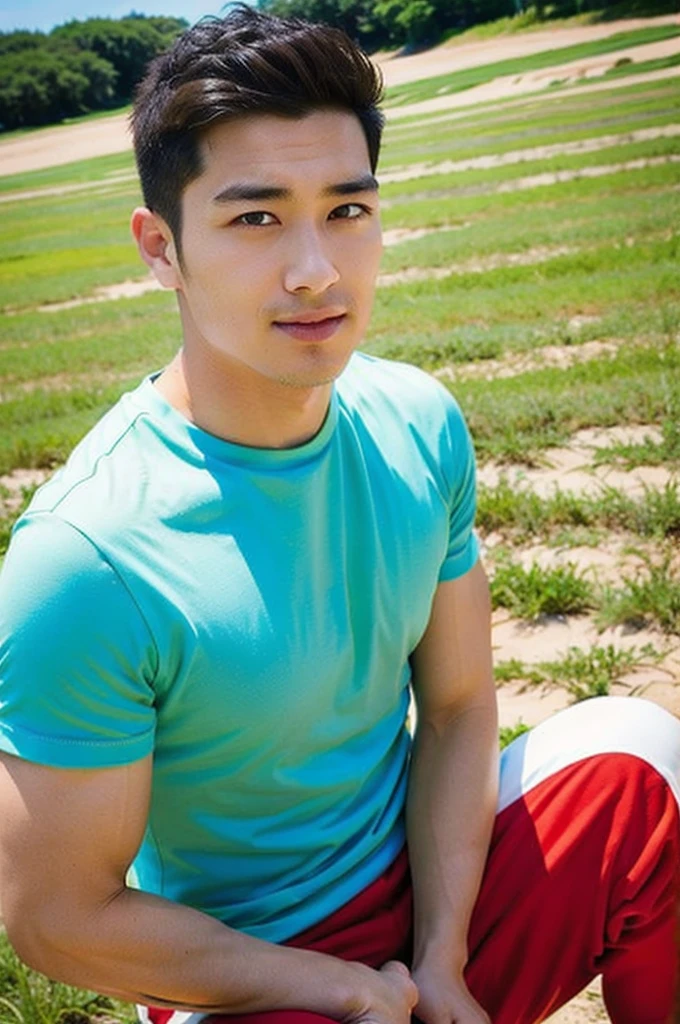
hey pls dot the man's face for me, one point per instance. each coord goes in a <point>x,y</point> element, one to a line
<point>281,244</point>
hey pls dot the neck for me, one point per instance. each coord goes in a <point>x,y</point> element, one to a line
<point>231,401</point>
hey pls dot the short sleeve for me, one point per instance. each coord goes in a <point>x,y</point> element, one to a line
<point>460,472</point>
<point>76,656</point>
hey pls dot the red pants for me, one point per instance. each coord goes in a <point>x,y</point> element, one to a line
<point>582,878</point>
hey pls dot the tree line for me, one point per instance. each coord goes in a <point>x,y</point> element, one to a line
<point>77,67</point>
<point>390,24</point>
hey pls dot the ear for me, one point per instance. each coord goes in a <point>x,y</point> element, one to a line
<point>156,246</point>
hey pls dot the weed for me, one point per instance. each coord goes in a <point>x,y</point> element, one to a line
<point>652,595</point>
<point>508,733</point>
<point>665,452</point>
<point>592,673</point>
<point>530,593</point>
<point>584,674</point>
<point>507,507</point>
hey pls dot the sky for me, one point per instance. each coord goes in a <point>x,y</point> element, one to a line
<point>45,14</point>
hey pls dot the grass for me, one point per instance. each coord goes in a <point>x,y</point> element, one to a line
<point>458,141</point>
<point>651,596</point>
<point>582,673</point>
<point>98,169</point>
<point>508,733</point>
<point>30,998</point>
<point>534,592</point>
<point>665,452</point>
<point>632,67</point>
<point>519,514</point>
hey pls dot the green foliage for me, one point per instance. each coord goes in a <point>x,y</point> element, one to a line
<point>78,67</point>
<point>665,452</point>
<point>127,44</point>
<point>591,673</point>
<point>41,86</point>
<point>530,593</point>
<point>518,512</point>
<point>652,595</point>
<point>508,733</point>
<point>583,673</point>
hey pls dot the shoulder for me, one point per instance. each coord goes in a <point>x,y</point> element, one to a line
<point>111,449</point>
<point>395,397</point>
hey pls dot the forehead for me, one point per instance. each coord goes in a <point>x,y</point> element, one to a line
<point>292,152</point>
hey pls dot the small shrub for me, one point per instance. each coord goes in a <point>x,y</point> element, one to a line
<point>530,593</point>
<point>592,673</point>
<point>652,595</point>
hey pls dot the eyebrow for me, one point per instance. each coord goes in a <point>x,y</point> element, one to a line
<point>243,191</point>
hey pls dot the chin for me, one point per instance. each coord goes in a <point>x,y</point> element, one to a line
<point>322,371</point>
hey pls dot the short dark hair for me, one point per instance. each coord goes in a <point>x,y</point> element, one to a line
<point>245,63</point>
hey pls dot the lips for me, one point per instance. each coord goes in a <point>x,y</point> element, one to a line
<point>311,326</point>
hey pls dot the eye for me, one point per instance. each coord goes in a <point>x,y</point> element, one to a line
<point>350,211</point>
<point>256,219</point>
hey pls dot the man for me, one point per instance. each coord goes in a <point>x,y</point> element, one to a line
<point>212,617</point>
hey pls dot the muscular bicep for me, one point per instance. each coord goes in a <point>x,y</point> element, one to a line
<point>452,665</point>
<point>67,839</point>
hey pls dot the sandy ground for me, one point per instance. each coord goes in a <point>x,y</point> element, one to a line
<point>64,144</point>
<point>569,468</point>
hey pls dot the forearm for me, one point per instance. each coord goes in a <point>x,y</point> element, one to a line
<point>145,949</point>
<point>450,813</point>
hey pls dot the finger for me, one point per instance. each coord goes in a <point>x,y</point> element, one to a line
<point>396,966</point>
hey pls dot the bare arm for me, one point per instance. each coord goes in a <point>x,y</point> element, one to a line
<point>452,794</point>
<point>67,838</point>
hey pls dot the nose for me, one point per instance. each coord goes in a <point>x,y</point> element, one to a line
<point>309,265</point>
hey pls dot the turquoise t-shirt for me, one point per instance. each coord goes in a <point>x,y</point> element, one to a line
<point>247,615</point>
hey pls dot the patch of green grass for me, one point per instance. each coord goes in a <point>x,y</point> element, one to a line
<point>502,232</point>
<point>531,593</point>
<point>30,998</point>
<point>583,673</point>
<point>513,420</point>
<point>540,105</point>
<point>508,733</point>
<point>651,596</point>
<point>452,144</point>
<point>97,169</point>
<point>524,126</point>
<point>525,21</point>
<point>438,208</point>
<point>665,452</point>
<point>642,67</point>
<point>42,432</point>
<point>518,513</point>
<point>487,181</point>
<point>458,81</point>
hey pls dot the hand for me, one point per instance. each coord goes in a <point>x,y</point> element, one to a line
<point>388,996</point>
<point>444,998</point>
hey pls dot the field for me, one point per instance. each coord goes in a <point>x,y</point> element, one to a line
<point>531,264</point>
